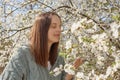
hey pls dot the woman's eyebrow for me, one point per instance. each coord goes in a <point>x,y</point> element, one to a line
<point>54,23</point>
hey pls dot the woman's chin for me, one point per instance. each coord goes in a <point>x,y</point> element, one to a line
<point>56,41</point>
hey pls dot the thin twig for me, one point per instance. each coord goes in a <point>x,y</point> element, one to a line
<point>45,5</point>
<point>61,7</point>
<point>71,2</point>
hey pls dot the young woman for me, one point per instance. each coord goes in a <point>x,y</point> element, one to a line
<point>35,60</point>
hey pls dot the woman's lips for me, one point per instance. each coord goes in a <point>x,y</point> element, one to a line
<point>57,35</point>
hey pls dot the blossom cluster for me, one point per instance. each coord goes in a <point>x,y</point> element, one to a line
<point>87,40</point>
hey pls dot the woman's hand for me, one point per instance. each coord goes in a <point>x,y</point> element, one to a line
<point>77,62</point>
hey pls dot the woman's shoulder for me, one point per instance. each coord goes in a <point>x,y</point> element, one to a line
<point>20,51</point>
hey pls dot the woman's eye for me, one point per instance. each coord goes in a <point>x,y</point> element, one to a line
<point>53,26</point>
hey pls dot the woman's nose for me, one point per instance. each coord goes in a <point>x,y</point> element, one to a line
<point>59,29</point>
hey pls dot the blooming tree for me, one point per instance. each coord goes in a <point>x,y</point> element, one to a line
<point>88,41</point>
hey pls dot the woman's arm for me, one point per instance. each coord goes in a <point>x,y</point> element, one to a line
<point>15,69</point>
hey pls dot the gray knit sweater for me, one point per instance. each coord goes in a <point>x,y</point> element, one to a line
<point>22,66</point>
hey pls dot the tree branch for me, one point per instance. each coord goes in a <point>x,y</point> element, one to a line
<point>17,30</point>
<point>45,5</point>
<point>99,24</point>
<point>19,7</point>
<point>78,13</point>
<point>9,36</point>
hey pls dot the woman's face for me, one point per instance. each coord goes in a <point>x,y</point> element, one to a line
<point>54,30</point>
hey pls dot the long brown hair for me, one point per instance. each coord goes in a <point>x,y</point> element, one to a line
<point>39,40</point>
